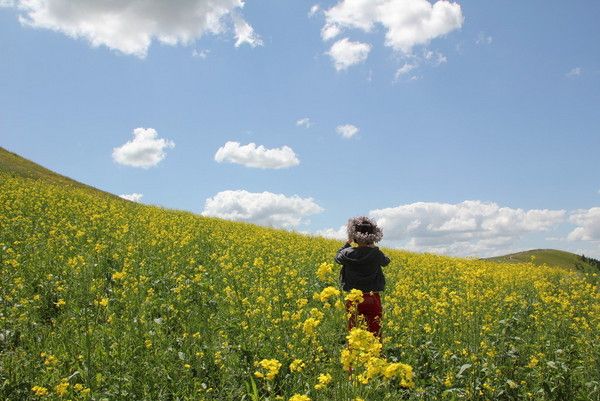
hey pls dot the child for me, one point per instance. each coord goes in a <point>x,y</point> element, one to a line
<point>361,269</point>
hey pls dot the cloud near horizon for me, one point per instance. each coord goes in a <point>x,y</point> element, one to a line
<point>131,26</point>
<point>264,208</point>
<point>466,228</point>
<point>134,197</point>
<point>145,150</point>
<point>588,225</point>
<point>254,156</point>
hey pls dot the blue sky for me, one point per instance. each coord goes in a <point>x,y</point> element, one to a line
<point>490,103</point>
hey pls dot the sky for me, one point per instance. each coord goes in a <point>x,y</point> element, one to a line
<point>464,128</point>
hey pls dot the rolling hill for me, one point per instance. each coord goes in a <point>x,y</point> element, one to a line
<point>106,299</point>
<point>550,257</point>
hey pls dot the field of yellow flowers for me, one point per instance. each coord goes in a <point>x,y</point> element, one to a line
<point>105,299</point>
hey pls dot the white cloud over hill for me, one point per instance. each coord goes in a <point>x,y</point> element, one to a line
<point>469,227</point>
<point>257,156</point>
<point>466,228</point>
<point>265,208</point>
<point>588,225</point>
<point>134,197</point>
<point>145,150</point>
<point>130,26</point>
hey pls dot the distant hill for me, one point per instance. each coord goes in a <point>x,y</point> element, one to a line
<point>19,166</point>
<point>551,257</point>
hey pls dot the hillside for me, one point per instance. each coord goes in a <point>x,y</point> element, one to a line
<point>550,257</point>
<point>16,165</point>
<point>105,299</point>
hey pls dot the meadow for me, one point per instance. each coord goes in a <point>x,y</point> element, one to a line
<point>105,299</point>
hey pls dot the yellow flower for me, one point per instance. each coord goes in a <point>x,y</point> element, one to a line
<point>40,391</point>
<point>327,293</point>
<point>118,275</point>
<point>297,366</point>
<point>299,397</point>
<point>103,302</point>
<point>62,387</point>
<point>60,303</point>
<point>355,296</point>
<point>324,380</point>
<point>270,369</point>
<point>533,362</point>
<point>310,325</point>
<point>148,343</point>
<point>49,359</point>
<point>324,271</point>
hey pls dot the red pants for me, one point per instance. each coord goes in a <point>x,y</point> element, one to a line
<point>370,310</point>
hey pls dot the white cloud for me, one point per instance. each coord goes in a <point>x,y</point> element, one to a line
<point>145,150</point>
<point>435,57</point>
<point>134,197</point>
<point>347,130</point>
<point>256,156</point>
<point>346,53</point>
<point>244,33</point>
<point>330,31</point>
<point>405,69</point>
<point>466,228</point>
<point>574,72</point>
<point>200,53</point>
<point>483,39</point>
<point>304,122</point>
<point>340,233</point>
<point>407,22</point>
<point>7,3</point>
<point>265,208</point>
<point>588,222</point>
<point>314,9</point>
<point>130,26</point>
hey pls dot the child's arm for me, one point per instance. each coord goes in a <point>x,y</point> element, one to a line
<point>338,260</point>
<point>384,260</point>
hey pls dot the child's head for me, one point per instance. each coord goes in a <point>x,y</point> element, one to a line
<point>363,230</point>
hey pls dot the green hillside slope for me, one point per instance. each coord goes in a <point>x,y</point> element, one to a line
<point>105,299</point>
<point>13,164</point>
<point>551,257</point>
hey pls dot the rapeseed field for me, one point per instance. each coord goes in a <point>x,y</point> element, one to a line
<point>105,299</point>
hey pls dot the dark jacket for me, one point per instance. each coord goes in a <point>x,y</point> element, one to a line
<point>361,268</point>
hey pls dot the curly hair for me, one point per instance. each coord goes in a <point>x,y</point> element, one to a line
<point>364,230</point>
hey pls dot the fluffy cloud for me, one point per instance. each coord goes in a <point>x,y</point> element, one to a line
<point>145,150</point>
<point>130,26</point>
<point>332,233</point>
<point>256,156</point>
<point>407,22</point>
<point>347,130</point>
<point>588,222</point>
<point>265,208</point>
<point>574,72</point>
<point>135,197</point>
<point>345,53</point>
<point>244,33</point>
<point>466,228</point>
<point>304,122</point>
